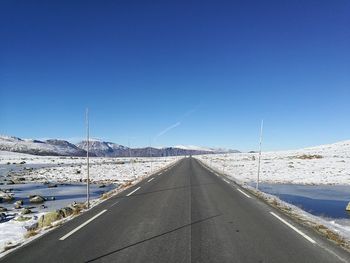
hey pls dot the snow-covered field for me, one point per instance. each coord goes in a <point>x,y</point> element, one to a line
<point>326,164</point>
<point>73,169</point>
<point>25,168</point>
<point>321,165</point>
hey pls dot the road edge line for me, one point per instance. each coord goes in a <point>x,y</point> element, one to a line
<point>133,191</point>
<point>294,228</point>
<point>82,225</point>
<point>244,193</point>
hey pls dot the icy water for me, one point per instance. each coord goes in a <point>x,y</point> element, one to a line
<point>321,200</point>
<point>6,168</point>
<point>64,194</point>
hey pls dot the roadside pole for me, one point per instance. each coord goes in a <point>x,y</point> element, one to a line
<point>150,155</point>
<point>259,162</point>
<point>223,166</point>
<point>87,160</point>
<point>130,159</point>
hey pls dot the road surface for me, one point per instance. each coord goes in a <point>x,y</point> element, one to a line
<point>184,214</point>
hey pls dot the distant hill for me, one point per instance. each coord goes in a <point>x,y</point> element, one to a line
<point>55,147</point>
<point>36,147</point>
<point>109,149</point>
<point>104,149</point>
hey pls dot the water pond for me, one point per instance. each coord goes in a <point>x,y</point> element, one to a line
<point>321,200</point>
<point>64,194</point>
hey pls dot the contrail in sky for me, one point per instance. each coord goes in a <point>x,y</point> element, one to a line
<point>188,113</point>
<point>168,129</point>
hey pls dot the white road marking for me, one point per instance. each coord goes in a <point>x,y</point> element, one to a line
<point>82,225</point>
<point>133,191</point>
<point>114,203</point>
<point>227,181</point>
<point>244,193</point>
<point>150,180</point>
<point>294,228</point>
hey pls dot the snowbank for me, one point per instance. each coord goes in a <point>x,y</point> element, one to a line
<point>326,164</point>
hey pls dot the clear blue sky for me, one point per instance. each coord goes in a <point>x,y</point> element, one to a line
<point>177,72</point>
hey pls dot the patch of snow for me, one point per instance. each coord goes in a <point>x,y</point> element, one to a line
<point>69,170</point>
<point>193,148</point>
<point>326,164</point>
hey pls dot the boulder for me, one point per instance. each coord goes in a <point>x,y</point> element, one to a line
<point>26,211</point>
<point>348,207</point>
<point>2,217</point>
<point>19,180</point>
<point>22,218</point>
<point>10,182</point>
<point>80,205</point>
<point>3,209</point>
<point>32,226</point>
<point>37,199</point>
<point>19,203</point>
<point>6,197</point>
<point>48,218</point>
<point>66,211</point>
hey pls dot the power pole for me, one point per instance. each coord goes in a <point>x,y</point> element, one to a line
<point>87,159</point>
<point>150,154</point>
<point>261,138</point>
<point>224,165</point>
<point>130,160</point>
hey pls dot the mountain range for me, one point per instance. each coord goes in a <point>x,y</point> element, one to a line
<point>56,147</point>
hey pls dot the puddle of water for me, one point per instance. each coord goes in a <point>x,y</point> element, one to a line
<point>65,194</point>
<point>327,201</point>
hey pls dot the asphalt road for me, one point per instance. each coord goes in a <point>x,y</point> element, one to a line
<point>185,214</point>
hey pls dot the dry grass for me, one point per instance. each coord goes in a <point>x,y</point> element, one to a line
<point>309,156</point>
<point>126,184</point>
<point>76,212</point>
<point>30,233</point>
<point>106,195</point>
<point>10,246</point>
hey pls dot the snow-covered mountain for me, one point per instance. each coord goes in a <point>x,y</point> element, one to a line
<point>104,149</point>
<point>205,149</point>
<point>98,148</point>
<point>109,149</point>
<point>48,147</point>
<point>193,148</point>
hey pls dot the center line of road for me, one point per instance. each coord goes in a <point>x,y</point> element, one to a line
<point>133,191</point>
<point>150,180</point>
<point>82,225</point>
<point>294,228</point>
<point>114,203</point>
<point>244,193</point>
